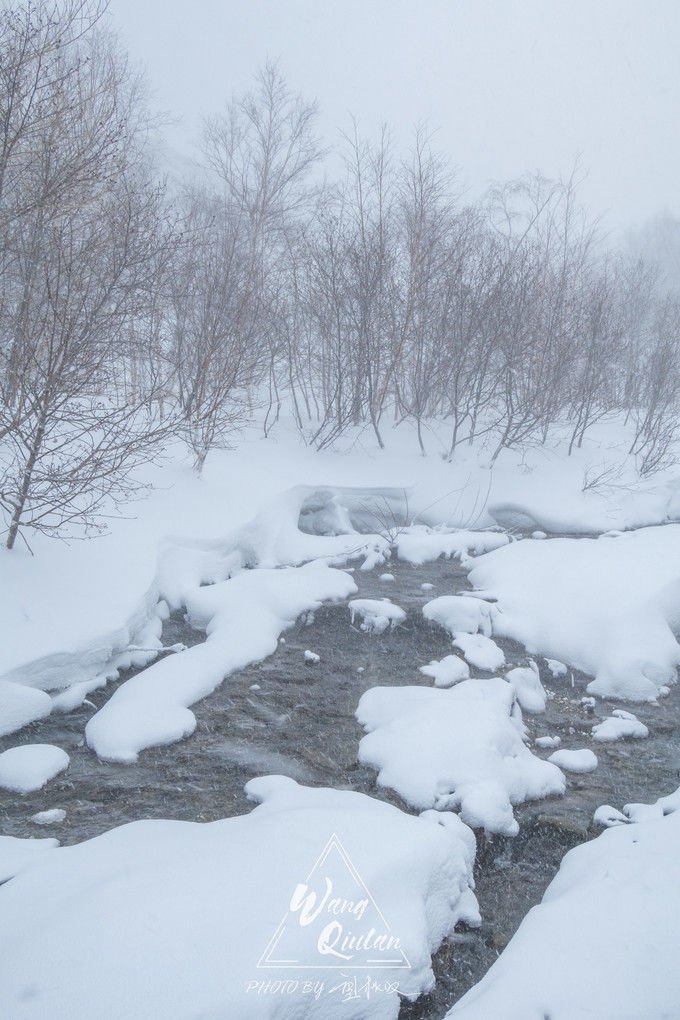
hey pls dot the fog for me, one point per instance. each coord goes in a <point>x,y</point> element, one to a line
<point>508,86</point>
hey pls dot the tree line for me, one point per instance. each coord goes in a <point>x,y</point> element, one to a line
<point>134,310</point>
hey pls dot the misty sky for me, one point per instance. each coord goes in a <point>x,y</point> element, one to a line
<point>511,85</point>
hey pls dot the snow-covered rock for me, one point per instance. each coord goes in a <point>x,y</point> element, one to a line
<point>460,749</point>
<point>376,615</point>
<point>311,658</point>
<point>574,761</point>
<point>20,705</point>
<point>447,671</point>
<point>528,688</point>
<point>618,725</point>
<point>178,919</point>
<point>556,667</point>
<point>480,651</point>
<point>547,741</point>
<point>387,578</point>
<point>460,614</point>
<point>29,766</point>
<point>49,817</point>
<point>603,943</point>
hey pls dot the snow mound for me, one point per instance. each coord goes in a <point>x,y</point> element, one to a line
<point>608,608</point>
<point>29,766</point>
<point>603,943</point>
<point>447,671</point>
<point>574,761</point>
<point>21,705</point>
<point>377,615</point>
<point>480,651</point>
<point>184,916</point>
<point>619,725</point>
<point>419,544</point>
<point>461,749</point>
<point>243,618</point>
<point>556,667</point>
<point>311,658</point>
<point>528,688</point>
<point>460,613</point>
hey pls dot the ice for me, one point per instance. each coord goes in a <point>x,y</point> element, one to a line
<point>528,688</point>
<point>377,615</point>
<point>603,943</point>
<point>29,766</point>
<point>459,613</point>
<point>21,705</point>
<point>620,724</point>
<point>49,817</point>
<point>459,749</point>
<point>172,919</point>
<point>243,618</point>
<point>420,544</point>
<point>447,671</point>
<point>606,607</point>
<point>480,651</point>
<point>574,761</point>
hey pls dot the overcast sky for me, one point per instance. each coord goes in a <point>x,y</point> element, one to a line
<point>511,85</point>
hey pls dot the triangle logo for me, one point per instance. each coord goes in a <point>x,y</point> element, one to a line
<point>333,922</point>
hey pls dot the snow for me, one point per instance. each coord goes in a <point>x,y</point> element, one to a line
<point>419,544</point>
<point>620,724</point>
<point>480,651</point>
<point>72,608</point>
<point>447,671</point>
<point>49,817</point>
<point>21,705</point>
<point>574,761</point>
<point>182,915</point>
<point>603,943</point>
<point>548,741</point>
<point>528,688</point>
<point>243,617</point>
<point>17,854</point>
<point>460,749</point>
<point>377,615</point>
<point>556,667</point>
<point>311,658</point>
<point>426,586</point>
<point>29,766</point>
<point>460,613</point>
<point>387,578</point>
<point>606,607</point>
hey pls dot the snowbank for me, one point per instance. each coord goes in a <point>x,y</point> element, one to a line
<point>460,614</point>
<point>603,943</point>
<point>606,606</point>
<point>528,688</point>
<point>480,651</point>
<point>191,919</point>
<point>243,617</point>
<point>460,749</point>
<point>420,544</point>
